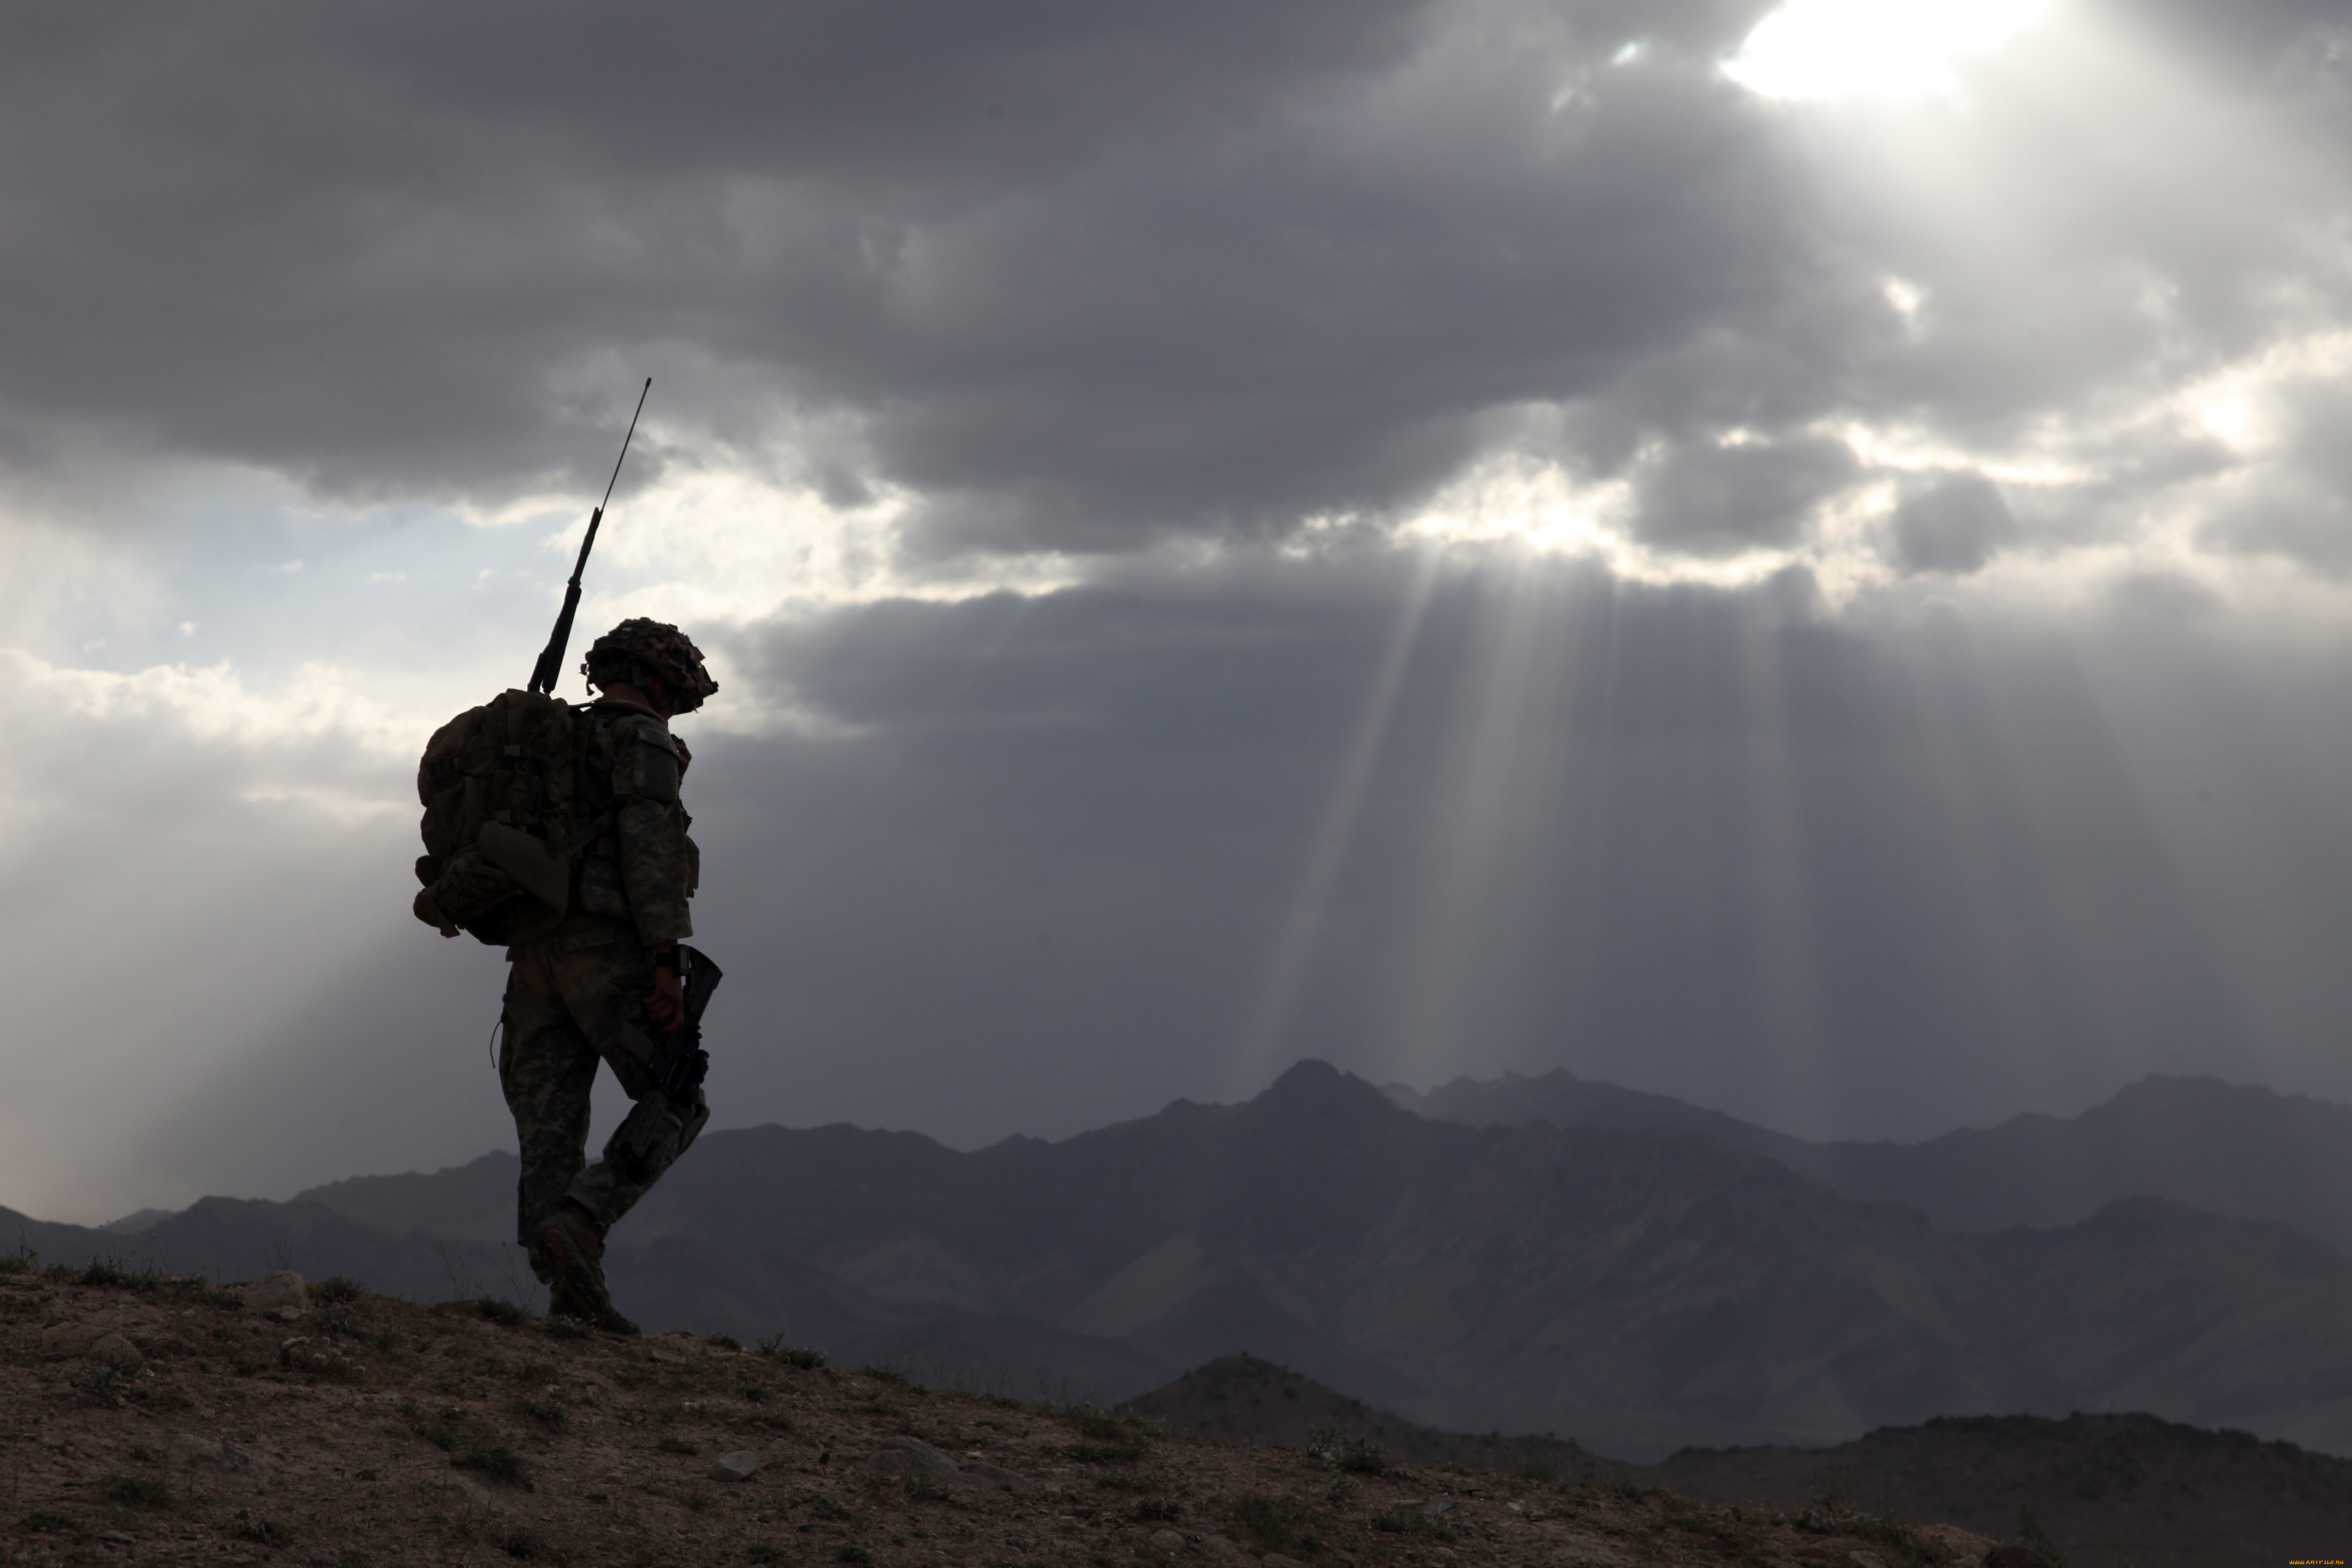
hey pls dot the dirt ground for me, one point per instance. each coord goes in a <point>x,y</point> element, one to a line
<point>153,1420</point>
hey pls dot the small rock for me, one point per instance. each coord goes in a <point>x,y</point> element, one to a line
<point>741,1466</point>
<point>277,1290</point>
<point>1166,1541</point>
<point>1222,1549</point>
<point>1866,1560</point>
<point>1277,1560</point>
<point>124,1536</point>
<point>1438,1506</point>
<point>100,1341</point>
<point>993,1478</point>
<point>190,1449</point>
<point>913,1456</point>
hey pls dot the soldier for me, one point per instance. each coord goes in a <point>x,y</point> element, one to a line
<point>600,984</point>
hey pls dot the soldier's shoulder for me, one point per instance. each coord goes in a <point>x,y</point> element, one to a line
<point>616,717</point>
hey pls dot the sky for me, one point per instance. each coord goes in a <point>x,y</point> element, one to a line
<point>1796,557</point>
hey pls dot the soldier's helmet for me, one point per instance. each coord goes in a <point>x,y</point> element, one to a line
<point>638,645</point>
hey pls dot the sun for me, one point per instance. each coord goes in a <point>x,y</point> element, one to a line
<point>1811,50</point>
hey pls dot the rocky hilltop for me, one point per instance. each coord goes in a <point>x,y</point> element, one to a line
<point>150,1419</point>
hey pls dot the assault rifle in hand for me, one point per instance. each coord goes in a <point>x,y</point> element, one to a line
<point>679,1061</point>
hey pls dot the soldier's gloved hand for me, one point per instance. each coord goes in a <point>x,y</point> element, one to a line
<point>667,1006</point>
<point>684,754</point>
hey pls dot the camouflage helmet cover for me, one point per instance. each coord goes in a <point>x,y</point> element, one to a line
<point>657,646</point>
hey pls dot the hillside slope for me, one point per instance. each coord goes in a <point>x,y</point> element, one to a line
<point>154,1420</point>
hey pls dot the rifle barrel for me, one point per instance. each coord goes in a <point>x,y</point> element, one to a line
<point>549,668</point>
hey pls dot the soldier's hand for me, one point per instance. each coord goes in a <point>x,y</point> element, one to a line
<point>684,754</point>
<point>667,1006</point>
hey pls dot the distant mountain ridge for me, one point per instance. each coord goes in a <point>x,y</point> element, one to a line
<point>1635,1291</point>
<point>2124,1489</point>
<point>2233,1150</point>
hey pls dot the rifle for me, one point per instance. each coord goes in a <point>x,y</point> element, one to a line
<point>549,668</point>
<point>679,1061</point>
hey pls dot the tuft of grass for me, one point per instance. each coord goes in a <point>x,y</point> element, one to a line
<point>440,1430</point>
<point>338,1291</point>
<point>724,1341</point>
<point>2030,1535</point>
<point>143,1491</point>
<point>808,1358</point>
<point>762,1552</point>
<point>889,1375</point>
<point>42,1521</point>
<point>499,1310</point>
<point>545,1412</point>
<point>1156,1511</point>
<point>267,1531</point>
<point>670,1445</point>
<point>525,1544</point>
<point>1275,1523</point>
<point>1403,1521</point>
<point>497,1461</point>
<point>850,1551</point>
<point>1363,1457</point>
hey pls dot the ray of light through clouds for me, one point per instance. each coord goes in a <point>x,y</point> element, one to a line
<point>1794,557</point>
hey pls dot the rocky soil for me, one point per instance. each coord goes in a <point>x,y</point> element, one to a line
<point>146,1419</point>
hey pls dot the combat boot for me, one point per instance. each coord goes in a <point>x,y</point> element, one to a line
<point>572,1245</point>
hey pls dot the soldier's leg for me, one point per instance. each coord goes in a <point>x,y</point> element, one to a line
<point>605,990</point>
<point>648,1142</point>
<point>547,1069</point>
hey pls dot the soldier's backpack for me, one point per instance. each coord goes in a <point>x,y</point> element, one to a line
<point>505,820</point>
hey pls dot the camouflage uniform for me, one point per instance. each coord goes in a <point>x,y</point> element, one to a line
<point>577,996</point>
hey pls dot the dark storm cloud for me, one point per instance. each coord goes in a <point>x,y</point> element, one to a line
<point>1722,499</point>
<point>1953,522</point>
<point>1076,275</point>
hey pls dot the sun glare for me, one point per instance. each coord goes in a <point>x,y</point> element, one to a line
<point>1886,49</point>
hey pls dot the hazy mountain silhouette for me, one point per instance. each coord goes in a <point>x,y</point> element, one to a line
<point>2129,1490</point>
<point>2229,1149</point>
<point>1636,1291</point>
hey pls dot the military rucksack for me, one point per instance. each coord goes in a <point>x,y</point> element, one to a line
<point>504,817</point>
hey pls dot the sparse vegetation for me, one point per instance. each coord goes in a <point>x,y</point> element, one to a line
<point>1362,1458</point>
<point>495,1461</point>
<point>499,1310</point>
<point>267,1531</point>
<point>806,1357</point>
<point>545,1412</point>
<point>1273,1523</point>
<point>2033,1538</point>
<point>336,1291</point>
<point>138,1492</point>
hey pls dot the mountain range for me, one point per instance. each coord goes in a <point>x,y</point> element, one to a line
<point>1637,1288</point>
<point>2227,1149</point>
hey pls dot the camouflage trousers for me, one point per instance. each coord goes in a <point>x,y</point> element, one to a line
<point>576,997</point>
